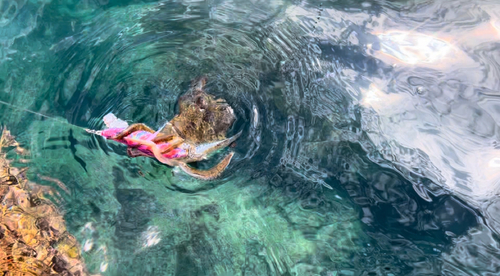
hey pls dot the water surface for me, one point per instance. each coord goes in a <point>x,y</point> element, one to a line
<point>369,146</point>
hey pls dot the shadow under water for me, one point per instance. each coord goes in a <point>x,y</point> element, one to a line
<point>369,132</point>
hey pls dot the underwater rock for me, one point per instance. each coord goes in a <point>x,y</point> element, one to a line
<point>33,236</point>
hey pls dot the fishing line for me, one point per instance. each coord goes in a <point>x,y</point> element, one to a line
<point>40,114</point>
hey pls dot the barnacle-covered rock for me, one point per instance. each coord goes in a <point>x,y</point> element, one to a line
<point>33,236</point>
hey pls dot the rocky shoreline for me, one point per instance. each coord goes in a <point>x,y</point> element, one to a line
<point>33,235</point>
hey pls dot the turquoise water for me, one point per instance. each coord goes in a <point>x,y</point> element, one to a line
<point>369,145</point>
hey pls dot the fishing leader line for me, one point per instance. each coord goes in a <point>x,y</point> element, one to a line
<point>40,114</point>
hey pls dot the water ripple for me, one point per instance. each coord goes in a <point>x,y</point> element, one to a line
<point>369,131</point>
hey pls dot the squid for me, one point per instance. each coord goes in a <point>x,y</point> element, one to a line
<point>166,146</point>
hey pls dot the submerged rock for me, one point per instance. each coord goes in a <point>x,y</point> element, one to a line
<point>33,236</point>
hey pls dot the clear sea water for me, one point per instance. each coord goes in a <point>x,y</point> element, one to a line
<point>370,138</point>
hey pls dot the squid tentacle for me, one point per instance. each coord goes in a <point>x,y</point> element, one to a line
<point>131,129</point>
<point>209,174</point>
<point>155,150</point>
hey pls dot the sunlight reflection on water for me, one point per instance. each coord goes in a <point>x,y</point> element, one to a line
<point>460,146</point>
